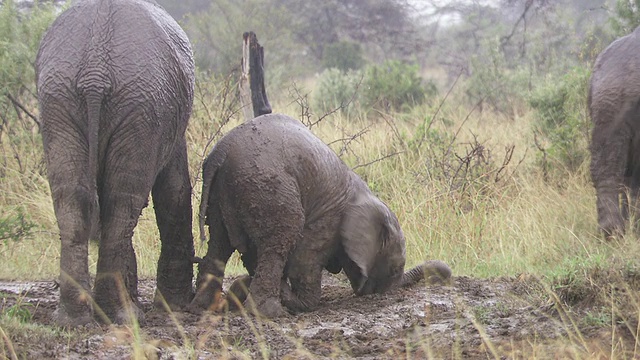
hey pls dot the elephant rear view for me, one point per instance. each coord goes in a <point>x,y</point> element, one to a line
<point>115,88</point>
<point>614,107</point>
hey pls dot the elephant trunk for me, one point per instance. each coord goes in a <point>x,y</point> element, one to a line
<point>433,271</point>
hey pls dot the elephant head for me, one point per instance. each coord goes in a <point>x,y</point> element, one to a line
<point>374,251</point>
<point>373,243</point>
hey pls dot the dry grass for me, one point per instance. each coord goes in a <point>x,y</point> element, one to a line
<point>517,224</point>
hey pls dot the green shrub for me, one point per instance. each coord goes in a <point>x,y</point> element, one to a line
<point>15,227</point>
<point>343,55</point>
<point>337,89</point>
<point>394,85</point>
<point>561,108</point>
<point>626,16</point>
<point>494,86</point>
<point>20,35</point>
<point>391,86</point>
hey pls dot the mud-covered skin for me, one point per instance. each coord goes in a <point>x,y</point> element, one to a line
<point>281,197</point>
<point>614,106</point>
<point>115,88</point>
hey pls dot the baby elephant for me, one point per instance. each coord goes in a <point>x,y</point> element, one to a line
<point>282,198</point>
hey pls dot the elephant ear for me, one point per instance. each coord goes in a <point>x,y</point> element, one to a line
<point>366,230</point>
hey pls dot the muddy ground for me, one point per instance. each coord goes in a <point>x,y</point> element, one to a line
<point>471,318</point>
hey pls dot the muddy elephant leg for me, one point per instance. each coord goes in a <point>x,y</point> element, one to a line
<point>116,287</point>
<point>304,294</point>
<point>75,205</point>
<point>272,252</point>
<point>305,275</point>
<point>72,211</point>
<point>172,204</point>
<point>211,269</point>
<point>124,192</point>
<point>264,291</point>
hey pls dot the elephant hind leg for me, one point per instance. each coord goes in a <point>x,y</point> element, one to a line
<point>172,204</point>
<point>74,206</point>
<point>211,268</point>
<point>608,176</point>
<point>124,193</point>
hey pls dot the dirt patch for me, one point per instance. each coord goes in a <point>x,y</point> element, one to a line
<point>472,318</point>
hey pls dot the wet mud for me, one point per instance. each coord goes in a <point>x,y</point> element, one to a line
<point>470,318</point>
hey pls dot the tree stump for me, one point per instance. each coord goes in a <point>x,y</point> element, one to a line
<point>253,95</point>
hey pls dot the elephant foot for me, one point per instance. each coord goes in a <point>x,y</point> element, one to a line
<point>127,314</point>
<point>173,300</point>
<point>612,231</point>
<point>269,308</point>
<point>208,295</point>
<point>75,307</point>
<point>174,285</point>
<point>64,319</point>
<point>293,303</point>
<point>612,225</point>
<point>130,315</point>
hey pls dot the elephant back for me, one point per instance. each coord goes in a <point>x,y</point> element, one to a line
<point>283,146</point>
<point>117,47</point>
<point>616,73</point>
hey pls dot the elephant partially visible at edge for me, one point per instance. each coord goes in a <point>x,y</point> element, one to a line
<point>281,197</point>
<point>115,85</point>
<point>614,107</point>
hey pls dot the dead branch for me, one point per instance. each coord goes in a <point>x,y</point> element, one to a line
<point>378,159</point>
<point>347,141</point>
<point>507,159</point>
<point>17,104</point>
<point>545,164</point>
<point>253,96</point>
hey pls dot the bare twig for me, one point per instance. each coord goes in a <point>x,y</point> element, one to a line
<point>545,164</point>
<point>21,107</point>
<point>507,159</point>
<point>393,127</point>
<point>303,102</point>
<point>523,18</point>
<point>347,141</point>
<point>378,159</point>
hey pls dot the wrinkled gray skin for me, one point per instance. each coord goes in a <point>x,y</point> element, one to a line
<point>282,198</point>
<point>614,99</point>
<point>115,87</point>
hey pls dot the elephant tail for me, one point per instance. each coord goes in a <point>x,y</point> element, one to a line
<point>94,100</point>
<point>209,169</point>
<point>433,271</point>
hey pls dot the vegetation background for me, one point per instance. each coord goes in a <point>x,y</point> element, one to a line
<point>468,118</point>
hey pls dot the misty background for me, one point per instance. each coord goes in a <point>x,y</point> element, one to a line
<point>446,39</point>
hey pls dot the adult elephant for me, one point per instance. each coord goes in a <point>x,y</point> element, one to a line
<point>282,198</point>
<point>115,88</point>
<point>614,99</point>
